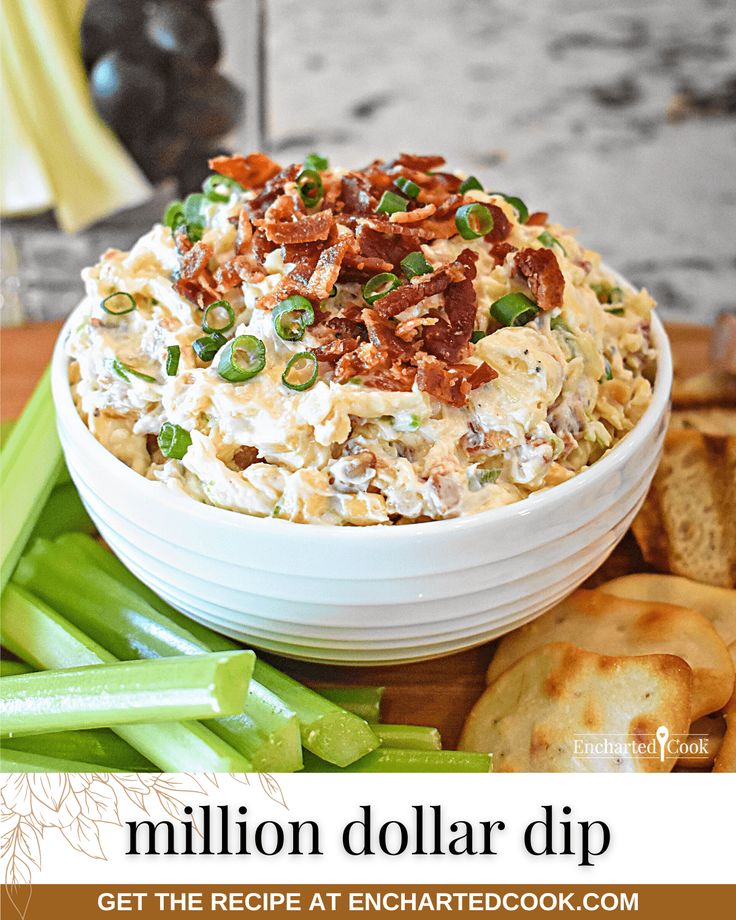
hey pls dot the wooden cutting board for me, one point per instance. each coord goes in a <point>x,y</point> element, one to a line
<point>438,692</point>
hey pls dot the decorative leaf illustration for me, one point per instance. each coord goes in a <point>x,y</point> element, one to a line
<point>241,778</point>
<point>51,789</point>
<point>16,793</point>
<point>272,788</point>
<point>101,803</point>
<point>28,843</point>
<point>19,897</point>
<point>184,783</point>
<point>85,837</point>
<point>17,872</point>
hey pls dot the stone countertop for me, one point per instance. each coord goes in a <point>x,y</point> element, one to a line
<point>617,118</point>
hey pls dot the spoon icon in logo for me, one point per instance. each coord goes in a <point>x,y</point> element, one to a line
<point>662,734</point>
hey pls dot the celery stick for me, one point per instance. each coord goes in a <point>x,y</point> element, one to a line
<point>11,668</point>
<point>130,628</point>
<point>5,429</point>
<point>67,576</point>
<point>63,512</point>
<point>38,635</point>
<point>326,729</point>
<point>30,462</point>
<point>105,695</point>
<point>363,701</point>
<point>409,737</point>
<point>25,762</point>
<point>94,745</point>
<point>393,760</point>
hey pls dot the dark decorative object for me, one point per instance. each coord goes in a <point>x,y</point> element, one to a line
<point>153,79</point>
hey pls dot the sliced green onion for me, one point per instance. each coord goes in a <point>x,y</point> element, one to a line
<point>243,358</point>
<point>477,336</point>
<point>333,292</point>
<point>212,185</point>
<point>207,346</point>
<point>174,441</point>
<point>301,371</point>
<point>214,312</point>
<point>194,206</point>
<point>546,239</point>
<point>291,318</point>
<point>174,215</point>
<point>391,203</point>
<point>309,184</point>
<point>608,369</point>
<point>173,355</point>
<point>487,476</point>
<point>379,285</point>
<point>616,311</point>
<point>521,209</point>
<point>122,370</point>
<point>607,294</point>
<point>470,184</point>
<point>316,162</point>
<point>409,188</point>
<point>415,264</point>
<point>118,304</point>
<point>557,322</point>
<point>514,310</point>
<point>473,220</point>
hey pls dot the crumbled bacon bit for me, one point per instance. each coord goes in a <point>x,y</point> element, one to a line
<point>154,451</point>
<point>537,219</point>
<point>442,381</point>
<point>333,351</point>
<point>408,295</point>
<point>365,359</point>
<point>382,334</point>
<point>501,225</point>
<point>245,457</point>
<point>420,163</point>
<point>449,338</point>
<point>306,229</point>
<point>195,261</point>
<point>409,329</point>
<point>327,271</point>
<point>412,217</point>
<point>542,272</point>
<point>499,251</point>
<point>251,171</point>
<point>244,234</point>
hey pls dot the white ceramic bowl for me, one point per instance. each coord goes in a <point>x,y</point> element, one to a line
<point>365,595</point>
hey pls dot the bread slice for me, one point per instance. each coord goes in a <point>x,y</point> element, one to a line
<point>709,388</point>
<point>687,525</point>
<point>712,420</point>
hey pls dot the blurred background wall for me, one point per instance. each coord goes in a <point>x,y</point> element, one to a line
<point>616,116</point>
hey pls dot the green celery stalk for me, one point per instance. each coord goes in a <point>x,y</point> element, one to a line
<point>26,762</point>
<point>328,731</point>
<point>105,695</point>
<point>43,638</point>
<point>130,629</point>
<point>30,463</point>
<point>393,760</point>
<point>5,429</point>
<point>409,737</point>
<point>95,745</point>
<point>11,668</point>
<point>73,576</point>
<point>63,512</point>
<point>363,701</point>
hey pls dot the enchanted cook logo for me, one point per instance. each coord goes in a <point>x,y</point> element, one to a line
<point>661,745</point>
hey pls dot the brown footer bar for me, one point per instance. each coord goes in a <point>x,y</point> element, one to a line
<point>80,902</point>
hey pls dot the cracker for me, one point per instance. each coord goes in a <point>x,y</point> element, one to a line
<point>714,421</point>
<point>712,387</point>
<point>718,604</point>
<point>708,731</point>
<point>726,757</point>
<point>538,715</point>
<point>617,626</point>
